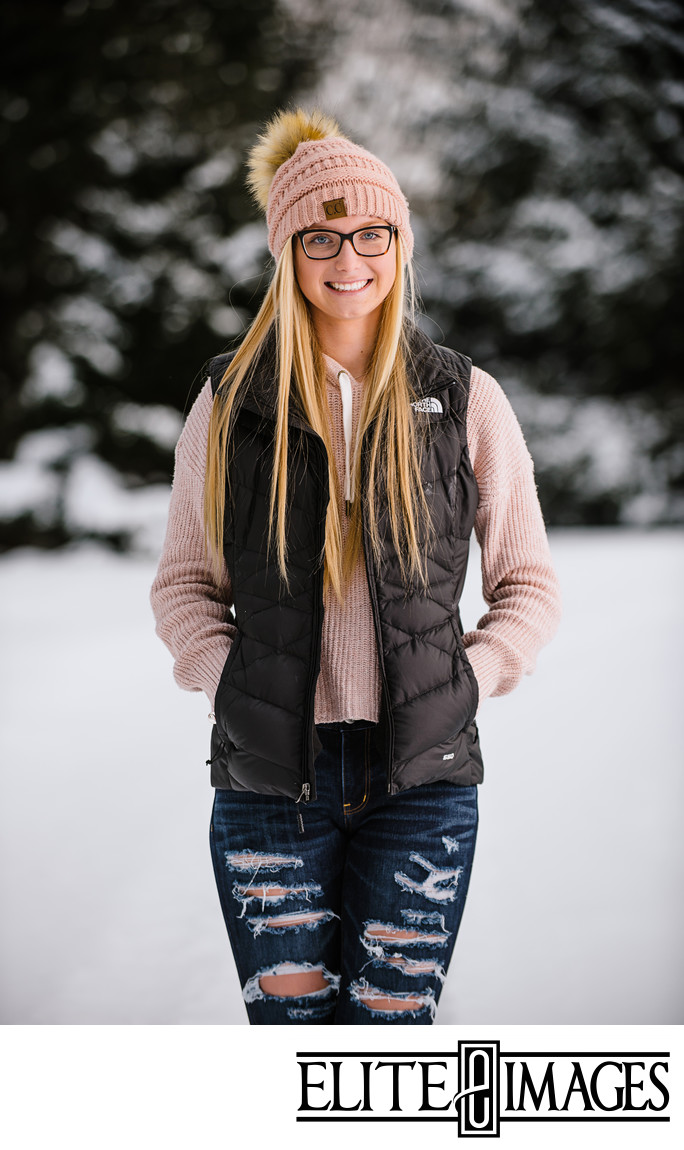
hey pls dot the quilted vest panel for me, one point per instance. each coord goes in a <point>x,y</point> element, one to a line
<point>264,738</point>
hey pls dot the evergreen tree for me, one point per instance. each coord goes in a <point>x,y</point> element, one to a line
<point>569,240</point>
<point>130,250</point>
<point>541,148</point>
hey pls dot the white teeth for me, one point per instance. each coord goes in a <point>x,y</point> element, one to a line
<point>349,287</point>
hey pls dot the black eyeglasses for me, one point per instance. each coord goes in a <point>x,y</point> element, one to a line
<point>322,244</point>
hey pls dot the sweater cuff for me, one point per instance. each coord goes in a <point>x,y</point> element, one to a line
<point>211,676</point>
<point>486,666</point>
<point>206,674</point>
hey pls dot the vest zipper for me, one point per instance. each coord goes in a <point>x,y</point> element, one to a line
<point>308,790</point>
<point>378,632</point>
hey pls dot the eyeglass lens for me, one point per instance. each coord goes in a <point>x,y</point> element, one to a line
<point>323,245</point>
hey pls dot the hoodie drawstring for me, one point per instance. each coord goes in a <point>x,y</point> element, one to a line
<point>346,393</point>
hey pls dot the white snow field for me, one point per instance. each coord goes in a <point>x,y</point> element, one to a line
<point>107,900</point>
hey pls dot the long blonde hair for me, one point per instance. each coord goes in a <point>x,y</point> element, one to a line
<point>395,442</point>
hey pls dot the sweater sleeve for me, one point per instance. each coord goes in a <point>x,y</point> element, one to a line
<point>192,611</point>
<point>518,580</point>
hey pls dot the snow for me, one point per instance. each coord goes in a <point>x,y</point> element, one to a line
<point>228,321</point>
<point>96,500</point>
<point>92,253</point>
<point>91,496</point>
<point>240,256</point>
<point>92,332</point>
<point>598,442</point>
<point>51,376</point>
<point>160,423</point>
<point>215,172</point>
<point>26,487</point>
<point>107,896</point>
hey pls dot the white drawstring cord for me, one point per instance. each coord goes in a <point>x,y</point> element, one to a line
<point>346,392</point>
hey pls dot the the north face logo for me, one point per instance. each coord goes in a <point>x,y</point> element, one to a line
<point>430,403</point>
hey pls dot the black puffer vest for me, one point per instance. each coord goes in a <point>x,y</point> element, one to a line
<point>264,738</point>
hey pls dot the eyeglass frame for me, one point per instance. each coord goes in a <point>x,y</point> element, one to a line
<point>342,236</point>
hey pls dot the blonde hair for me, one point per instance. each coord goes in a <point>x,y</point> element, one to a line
<point>395,442</point>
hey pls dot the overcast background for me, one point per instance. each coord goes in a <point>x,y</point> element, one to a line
<point>543,156</point>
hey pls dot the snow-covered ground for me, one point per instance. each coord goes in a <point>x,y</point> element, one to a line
<point>107,900</point>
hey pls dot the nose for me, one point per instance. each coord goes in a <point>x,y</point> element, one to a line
<point>346,253</point>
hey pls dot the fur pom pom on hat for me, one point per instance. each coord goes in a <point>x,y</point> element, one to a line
<point>303,171</point>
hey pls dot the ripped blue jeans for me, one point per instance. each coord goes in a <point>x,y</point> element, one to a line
<point>362,909</point>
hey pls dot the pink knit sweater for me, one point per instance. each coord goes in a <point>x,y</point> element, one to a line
<point>518,581</point>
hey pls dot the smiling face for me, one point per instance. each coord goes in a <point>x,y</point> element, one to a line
<point>348,287</point>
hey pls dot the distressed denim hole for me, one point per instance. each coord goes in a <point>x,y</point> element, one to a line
<point>381,1003</point>
<point>290,980</point>
<point>293,985</point>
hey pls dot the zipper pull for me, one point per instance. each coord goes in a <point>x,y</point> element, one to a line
<point>305,793</point>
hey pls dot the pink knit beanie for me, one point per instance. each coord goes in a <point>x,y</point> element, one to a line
<point>304,172</point>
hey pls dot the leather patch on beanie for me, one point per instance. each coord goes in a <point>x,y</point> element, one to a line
<point>334,209</point>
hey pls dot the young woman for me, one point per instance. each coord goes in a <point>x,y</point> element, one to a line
<point>327,482</point>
